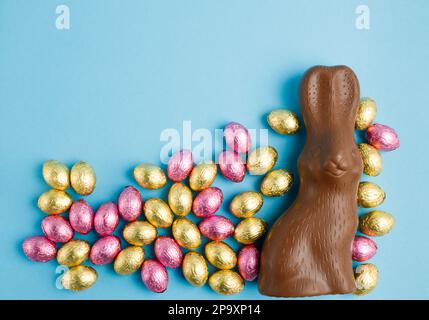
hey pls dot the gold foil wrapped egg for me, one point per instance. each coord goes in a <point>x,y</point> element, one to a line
<point>220,255</point>
<point>371,158</point>
<point>149,176</point>
<point>366,278</point>
<point>203,175</point>
<point>366,113</point>
<point>129,260</point>
<point>139,233</point>
<point>180,199</point>
<point>82,178</point>
<point>246,204</point>
<point>283,121</point>
<point>56,174</point>
<point>195,269</point>
<point>158,213</point>
<point>249,230</point>
<point>226,282</point>
<point>54,202</point>
<point>186,233</point>
<point>370,195</point>
<point>73,253</point>
<point>261,160</point>
<point>79,278</point>
<point>376,223</point>
<point>276,183</point>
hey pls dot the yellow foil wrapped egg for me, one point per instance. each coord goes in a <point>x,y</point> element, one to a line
<point>366,113</point>
<point>246,204</point>
<point>129,260</point>
<point>54,202</point>
<point>226,282</point>
<point>283,121</point>
<point>261,160</point>
<point>276,183</point>
<point>371,158</point>
<point>370,195</point>
<point>79,278</point>
<point>366,278</point>
<point>73,253</point>
<point>180,199</point>
<point>139,233</point>
<point>158,213</point>
<point>195,269</point>
<point>376,223</point>
<point>186,233</point>
<point>82,178</point>
<point>203,175</point>
<point>56,174</point>
<point>220,255</point>
<point>249,230</point>
<point>149,176</point>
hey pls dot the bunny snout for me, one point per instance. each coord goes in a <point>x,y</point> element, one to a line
<point>337,165</point>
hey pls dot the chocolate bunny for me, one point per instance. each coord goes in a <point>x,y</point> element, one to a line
<point>308,250</point>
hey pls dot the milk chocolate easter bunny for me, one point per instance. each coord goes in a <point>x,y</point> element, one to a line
<point>307,252</point>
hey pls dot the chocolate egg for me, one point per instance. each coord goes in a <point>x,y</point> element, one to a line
<point>237,137</point>
<point>81,217</point>
<point>79,278</point>
<point>56,174</point>
<point>220,255</point>
<point>154,276</point>
<point>139,233</point>
<point>54,202</point>
<point>283,121</point>
<point>130,204</point>
<point>248,262</point>
<point>149,176</point>
<point>106,219</point>
<point>249,230</point>
<point>261,160</point>
<point>370,195</point>
<point>366,113</point>
<point>363,249</point>
<point>82,178</point>
<point>226,282</point>
<point>195,269</point>
<point>276,183</point>
<point>105,250</point>
<point>57,229</point>
<point>180,165</point>
<point>158,213</point>
<point>207,202</point>
<point>371,158</point>
<point>180,199</point>
<point>382,137</point>
<point>246,204</point>
<point>186,233</point>
<point>376,223</point>
<point>366,278</point>
<point>73,253</point>
<point>168,252</point>
<point>216,227</point>
<point>39,249</point>
<point>232,166</point>
<point>202,176</point>
<point>129,260</point>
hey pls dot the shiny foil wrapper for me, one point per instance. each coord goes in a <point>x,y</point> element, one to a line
<point>56,174</point>
<point>82,178</point>
<point>129,260</point>
<point>105,250</point>
<point>371,158</point>
<point>158,213</point>
<point>202,176</point>
<point>154,276</point>
<point>283,121</point>
<point>207,202</point>
<point>232,166</point>
<point>376,223</point>
<point>370,195</point>
<point>226,282</point>
<point>363,249</point>
<point>237,137</point>
<point>39,249</point>
<point>180,165</point>
<point>168,252</point>
<point>57,229</point>
<point>382,137</point>
<point>73,253</point>
<point>149,176</point>
<point>79,278</point>
<point>180,199</point>
<point>220,255</point>
<point>261,160</point>
<point>246,204</point>
<point>366,278</point>
<point>216,228</point>
<point>248,262</point>
<point>249,230</point>
<point>130,204</point>
<point>81,217</point>
<point>54,202</point>
<point>195,269</point>
<point>276,183</point>
<point>366,113</point>
<point>139,233</point>
<point>186,233</point>
<point>106,219</point>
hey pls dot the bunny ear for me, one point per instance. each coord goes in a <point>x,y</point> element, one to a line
<point>346,92</point>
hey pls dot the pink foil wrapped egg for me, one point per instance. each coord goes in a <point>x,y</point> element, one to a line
<point>382,137</point>
<point>180,165</point>
<point>216,228</point>
<point>81,217</point>
<point>237,137</point>
<point>39,249</point>
<point>207,202</point>
<point>168,252</point>
<point>363,249</point>
<point>105,250</point>
<point>248,262</point>
<point>106,219</point>
<point>130,204</point>
<point>154,276</point>
<point>57,229</point>
<point>232,166</point>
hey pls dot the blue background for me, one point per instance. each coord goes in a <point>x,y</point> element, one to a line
<point>104,90</point>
